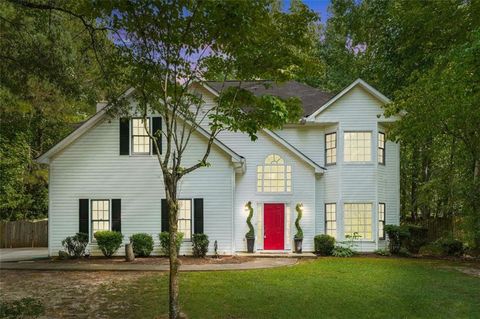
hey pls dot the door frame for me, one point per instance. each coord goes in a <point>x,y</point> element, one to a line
<point>287,229</point>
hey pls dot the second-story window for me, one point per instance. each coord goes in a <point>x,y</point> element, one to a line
<point>140,138</point>
<point>274,176</point>
<point>357,146</point>
<point>330,148</point>
<point>381,148</point>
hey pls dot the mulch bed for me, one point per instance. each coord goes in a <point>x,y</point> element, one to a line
<point>150,260</point>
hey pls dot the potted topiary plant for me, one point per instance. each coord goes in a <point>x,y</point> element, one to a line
<point>250,236</point>
<point>298,238</point>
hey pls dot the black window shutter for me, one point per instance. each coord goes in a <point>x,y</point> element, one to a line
<point>117,215</point>
<point>83,216</point>
<point>124,136</point>
<point>165,217</point>
<point>157,126</point>
<point>198,216</point>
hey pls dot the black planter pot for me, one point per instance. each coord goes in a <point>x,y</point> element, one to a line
<point>298,245</point>
<point>250,244</point>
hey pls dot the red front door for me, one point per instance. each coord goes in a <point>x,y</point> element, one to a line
<point>274,221</point>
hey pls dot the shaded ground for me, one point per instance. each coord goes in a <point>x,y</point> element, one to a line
<point>65,294</point>
<point>151,260</point>
<point>330,287</point>
<point>16,254</point>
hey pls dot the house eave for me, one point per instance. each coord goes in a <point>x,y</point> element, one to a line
<point>359,82</point>
<point>318,169</point>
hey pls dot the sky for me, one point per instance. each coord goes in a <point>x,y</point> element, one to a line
<point>319,6</point>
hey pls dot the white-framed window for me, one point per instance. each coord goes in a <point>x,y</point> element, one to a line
<point>330,148</point>
<point>185,218</point>
<point>274,176</point>
<point>357,146</point>
<point>381,148</point>
<point>358,219</point>
<point>100,215</point>
<point>140,138</point>
<point>381,220</point>
<point>331,219</point>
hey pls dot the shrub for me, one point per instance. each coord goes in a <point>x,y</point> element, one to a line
<point>404,252</point>
<point>165,242</point>
<point>142,244</point>
<point>22,308</point>
<point>382,252</point>
<point>396,236</point>
<point>324,244</point>
<point>200,245</point>
<point>108,241</point>
<point>416,239</point>
<point>76,245</point>
<point>431,250</point>
<point>340,251</point>
<point>251,231</point>
<point>299,234</point>
<point>450,246</point>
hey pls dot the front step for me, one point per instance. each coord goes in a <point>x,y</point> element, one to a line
<point>266,254</point>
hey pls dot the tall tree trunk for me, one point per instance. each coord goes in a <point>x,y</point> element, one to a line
<point>425,207</point>
<point>172,202</point>
<point>414,183</point>
<point>475,200</point>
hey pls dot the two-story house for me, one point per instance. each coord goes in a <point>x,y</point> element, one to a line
<point>336,162</point>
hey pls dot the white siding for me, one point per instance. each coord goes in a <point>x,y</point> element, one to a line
<point>357,110</point>
<point>303,187</point>
<point>92,168</point>
<point>308,139</point>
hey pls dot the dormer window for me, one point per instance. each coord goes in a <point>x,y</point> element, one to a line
<point>140,138</point>
<point>274,176</point>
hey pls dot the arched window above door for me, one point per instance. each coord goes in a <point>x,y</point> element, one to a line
<point>274,176</point>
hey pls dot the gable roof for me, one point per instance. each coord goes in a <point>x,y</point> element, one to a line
<point>311,97</point>
<point>358,82</point>
<point>217,87</point>
<point>85,126</point>
<point>296,151</point>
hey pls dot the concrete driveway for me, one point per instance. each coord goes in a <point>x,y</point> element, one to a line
<point>19,254</point>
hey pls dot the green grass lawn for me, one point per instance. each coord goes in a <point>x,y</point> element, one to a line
<point>326,287</point>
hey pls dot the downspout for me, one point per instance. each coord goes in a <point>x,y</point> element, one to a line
<point>233,211</point>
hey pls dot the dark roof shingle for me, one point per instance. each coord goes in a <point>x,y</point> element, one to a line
<point>312,98</point>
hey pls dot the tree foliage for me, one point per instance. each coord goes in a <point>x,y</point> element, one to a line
<point>424,55</point>
<point>49,80</point>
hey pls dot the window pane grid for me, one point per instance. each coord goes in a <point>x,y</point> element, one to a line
<point>358,219</point>
<point>381,220</point>
<point>357,146</point>
<point>331,148</point>
<point>274,176</point>
<point>100,218</point>
<point>381,148</point>
<point>140,138</point>
<point>185,218</point>
<point>331,220</point>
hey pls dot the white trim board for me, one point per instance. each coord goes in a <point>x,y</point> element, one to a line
<point>318,169</point>
<point>238,160</point>
<point>360,82</point>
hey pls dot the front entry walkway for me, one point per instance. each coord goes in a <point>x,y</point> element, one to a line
<point>256,263</point>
